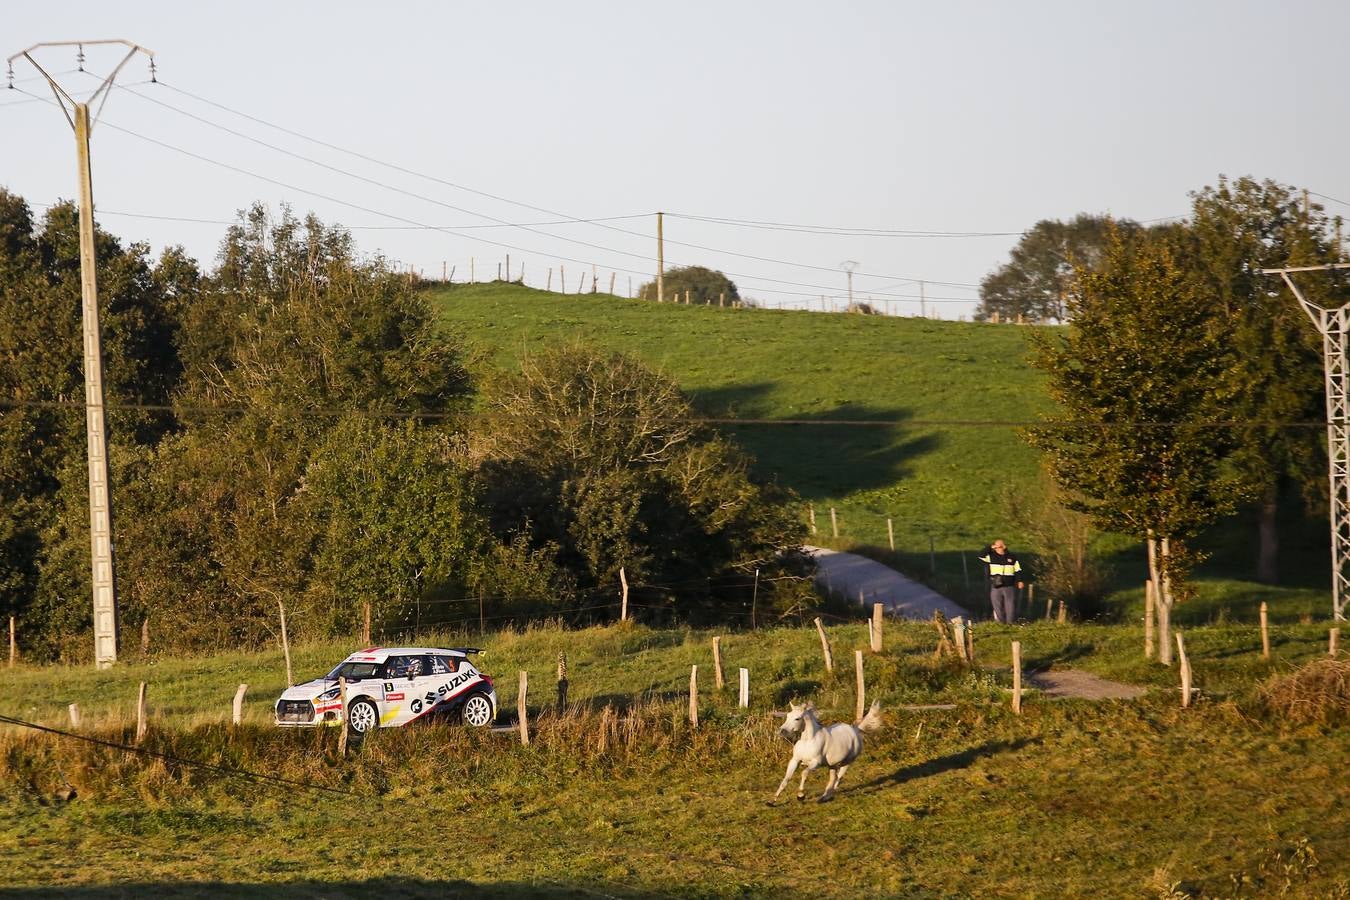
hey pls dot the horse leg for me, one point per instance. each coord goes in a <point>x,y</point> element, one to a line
<point>801,788</point>
<point>836,776</point>
<point>792,767</point>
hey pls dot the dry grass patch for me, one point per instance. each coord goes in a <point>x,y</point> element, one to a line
<point>1318,692</point>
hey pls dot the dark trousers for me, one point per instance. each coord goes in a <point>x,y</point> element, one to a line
<point>1004,601</point>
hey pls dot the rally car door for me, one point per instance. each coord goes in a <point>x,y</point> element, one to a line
<point>401,689</point>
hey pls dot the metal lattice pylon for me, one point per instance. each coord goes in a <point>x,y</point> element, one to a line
<point>1334,324</point>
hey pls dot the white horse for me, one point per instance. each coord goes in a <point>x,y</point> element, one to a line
<point>835,747</point>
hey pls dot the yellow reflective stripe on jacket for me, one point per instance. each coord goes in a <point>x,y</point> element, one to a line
<point>1004,569</point>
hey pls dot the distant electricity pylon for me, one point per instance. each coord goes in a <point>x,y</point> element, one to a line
<point>848,266</point>
<point>1334,324</point>
<point>104,579</point>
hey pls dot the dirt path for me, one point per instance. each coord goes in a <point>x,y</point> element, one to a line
<point>865,581</point>
<point>1080,685</point>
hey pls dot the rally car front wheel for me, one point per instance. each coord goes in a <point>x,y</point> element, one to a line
<point>477,711</point>
<point>362,716</point>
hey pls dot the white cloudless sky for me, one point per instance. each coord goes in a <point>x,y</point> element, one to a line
<point>905,116</point>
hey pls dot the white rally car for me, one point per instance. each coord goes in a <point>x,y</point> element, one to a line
<point>392,686</point>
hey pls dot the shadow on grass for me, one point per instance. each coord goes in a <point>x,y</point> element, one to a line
<point>818,456</point>
<point>1071,651</point>
<point>948,763</point>
<point>328,890</point>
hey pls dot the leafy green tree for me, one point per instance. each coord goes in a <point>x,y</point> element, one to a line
<point>1138,373</point>
<point>299,449</point>
<point>1036,281</point>
<point>42,422</point>
<point>1273,350</point>
<point>702,285</point>
<point>597,456</point>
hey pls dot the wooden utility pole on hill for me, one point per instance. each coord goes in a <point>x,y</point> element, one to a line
<point>103,581</point>
<point>660,261</point>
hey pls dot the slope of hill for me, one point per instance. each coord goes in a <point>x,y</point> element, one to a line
<point>829,372</point>
<point>942,456</point>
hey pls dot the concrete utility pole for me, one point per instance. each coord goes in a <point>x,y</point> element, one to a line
<point>660,262</point>
<point>1334,324</point>
<point>104,580</point>
<point>848,266</point>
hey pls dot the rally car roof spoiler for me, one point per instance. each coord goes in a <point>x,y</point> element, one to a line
<point>468,649</point>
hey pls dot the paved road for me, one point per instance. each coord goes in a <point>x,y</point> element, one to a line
<point>852,575</point>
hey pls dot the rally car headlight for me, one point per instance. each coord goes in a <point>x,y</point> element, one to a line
<point>329,694</point>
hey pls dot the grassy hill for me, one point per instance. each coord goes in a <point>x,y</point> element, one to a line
<point>826,371</point>
<point>942,482</point>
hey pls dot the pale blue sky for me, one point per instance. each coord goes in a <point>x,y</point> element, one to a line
<point>953,116</point>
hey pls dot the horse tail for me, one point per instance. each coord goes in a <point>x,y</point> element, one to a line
<point>871,721</point>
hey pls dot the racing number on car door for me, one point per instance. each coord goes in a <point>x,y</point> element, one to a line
<point>402,691</point>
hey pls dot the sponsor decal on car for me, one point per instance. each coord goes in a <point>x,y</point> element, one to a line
<point>416,706</point>
<point>388,685</point>
<point>398,696</point>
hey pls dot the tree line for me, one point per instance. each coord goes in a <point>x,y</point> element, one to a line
<point>294,424</point>
<point>1186,380</point>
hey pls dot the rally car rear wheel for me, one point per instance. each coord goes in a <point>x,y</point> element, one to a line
<point>477,711</point>
<point>362,716</point>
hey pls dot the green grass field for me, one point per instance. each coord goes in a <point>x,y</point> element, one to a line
<point>943,485</point>
<point>942,481</point>
<point>1073,798</point>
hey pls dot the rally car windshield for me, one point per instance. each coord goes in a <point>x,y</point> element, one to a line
<point>354,671</point>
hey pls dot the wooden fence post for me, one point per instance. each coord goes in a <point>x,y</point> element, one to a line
<point>1150,613</point>
<point>890,534</point>
<point>612,276</point>
<point>562,681</point>
<point>472,278</point>
<point>1185,672</point>
<point>932,555</point>
<point>834,522</point>
<point>970,643</point>
<point>693,697</point>
<point>877,613</point>
<point>623,591</point>
<point>562,279</point>
<point>721,299</point>
<point>13,644</point>
<point>286,645</point>
<point>1265,632</point>
<point>1334,642</point>
<point>239,704</point>
<point>717,662</point>
<point>858,665</point>
<point>1017,677</point>
<point>825,646</point>
<point>1049,605</point>
<point>744,700</point>
<point>521,711</point>
<point>365,632</point>
<point>141,724</point>
<point>959,637</point>
<point>344,728</point>
<point>944,643</point>
<point>1063,613</point>
<point>74,710</point>
<point>548,285</point>
<point>810,517</point>
<point>145,636</point>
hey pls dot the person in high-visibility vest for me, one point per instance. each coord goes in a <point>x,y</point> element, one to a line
<point>1005,580</point>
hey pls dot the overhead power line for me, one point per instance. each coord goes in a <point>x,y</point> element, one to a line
<point>816,292</point>
<point>440,415</point>
<point>500,198</point>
